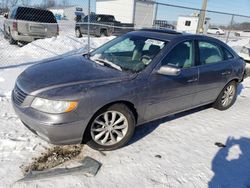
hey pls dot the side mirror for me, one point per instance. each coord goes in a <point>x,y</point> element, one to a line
<point>6,15</point>
<point>169,71</point>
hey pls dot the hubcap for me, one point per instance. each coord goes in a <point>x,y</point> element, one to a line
<point>228,96</point>
<point>109,128</point>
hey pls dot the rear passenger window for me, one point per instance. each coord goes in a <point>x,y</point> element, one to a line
<point>210,53</point>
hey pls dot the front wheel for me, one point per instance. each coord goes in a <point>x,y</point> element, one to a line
<point>227,96</point>
<point>111,128</point>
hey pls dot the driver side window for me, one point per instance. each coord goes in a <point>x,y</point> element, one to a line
<point>181,56</point>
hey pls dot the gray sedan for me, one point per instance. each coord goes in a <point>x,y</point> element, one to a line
<point>99,98</point>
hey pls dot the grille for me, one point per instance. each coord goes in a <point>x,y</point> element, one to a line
<point>18,95</point>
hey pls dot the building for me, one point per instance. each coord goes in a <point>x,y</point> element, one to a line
<point>68,12</point>
<point>189,24</point>
<point>140,13</point>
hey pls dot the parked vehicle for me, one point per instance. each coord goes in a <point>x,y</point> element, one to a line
<point>25,24</point>
<point>99,98</point>
<point>216,30</point>
<point>245,52</point>
<point>102,25</point>
<point>163,24</point>
<point>242,33</point>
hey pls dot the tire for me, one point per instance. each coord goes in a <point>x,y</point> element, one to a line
<point>217,33</point>
<point>103,33</point>
<point>78,33</point>
<point>229,93</point>
<point>102,136</point>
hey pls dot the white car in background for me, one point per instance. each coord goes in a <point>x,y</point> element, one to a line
<point>216,30</point>
<point>242,33</point>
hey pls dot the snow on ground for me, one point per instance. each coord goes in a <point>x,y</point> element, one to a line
<point>178,151</point>
<point>185,145</point>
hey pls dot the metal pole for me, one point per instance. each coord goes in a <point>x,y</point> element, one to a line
<point>200,27</point>
<point>156,11</point>
<point>231,26</point>
<point>88,26</point>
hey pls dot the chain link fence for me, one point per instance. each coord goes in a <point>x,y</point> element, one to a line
<point>32,35</point>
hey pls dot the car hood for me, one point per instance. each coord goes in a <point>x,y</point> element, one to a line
<point>67,71</point>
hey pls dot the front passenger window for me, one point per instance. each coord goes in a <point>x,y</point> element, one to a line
<point>210,53</point>
<point>181,56</point>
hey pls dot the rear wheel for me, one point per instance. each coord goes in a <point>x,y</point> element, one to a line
<point>78,33</point>
<point>227,96</point>
<point>111,128</point>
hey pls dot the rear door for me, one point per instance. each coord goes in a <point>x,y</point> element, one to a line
<point>214,71</point>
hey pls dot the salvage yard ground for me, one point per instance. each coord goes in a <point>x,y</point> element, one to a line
<point>177,151</point>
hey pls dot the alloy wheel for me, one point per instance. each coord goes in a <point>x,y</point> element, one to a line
<point>109,128</point>
<point>228,96</point>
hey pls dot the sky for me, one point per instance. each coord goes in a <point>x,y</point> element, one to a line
<point>241,7</point>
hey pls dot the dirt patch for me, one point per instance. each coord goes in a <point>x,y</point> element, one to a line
<point>53,157</point>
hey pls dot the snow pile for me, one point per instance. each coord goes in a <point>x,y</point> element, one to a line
<point>178,151</point>
<point>238,44</point>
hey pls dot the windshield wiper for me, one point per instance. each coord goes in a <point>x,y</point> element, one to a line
<point>110,64</point>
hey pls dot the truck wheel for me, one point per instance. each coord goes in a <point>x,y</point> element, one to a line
<point>111,128</point>
<point>78,33</point>
<point>103,33</point>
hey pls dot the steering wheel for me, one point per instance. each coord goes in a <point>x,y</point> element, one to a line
<point>147,58</point>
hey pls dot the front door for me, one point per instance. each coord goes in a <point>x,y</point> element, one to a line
<point>169,94</point>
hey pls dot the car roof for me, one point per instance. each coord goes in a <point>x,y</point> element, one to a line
<point>168,35</point>
<point>160,34</point>
<point>171,35</point>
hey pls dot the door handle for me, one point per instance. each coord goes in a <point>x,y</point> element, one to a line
<point>192,80</point>
<point>226,73</point>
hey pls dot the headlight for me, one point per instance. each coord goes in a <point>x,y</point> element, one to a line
<point>53,107</point>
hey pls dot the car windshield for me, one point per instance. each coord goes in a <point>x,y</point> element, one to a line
<point>128,53</point>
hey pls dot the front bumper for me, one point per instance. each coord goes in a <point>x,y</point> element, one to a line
<point>59,129</point>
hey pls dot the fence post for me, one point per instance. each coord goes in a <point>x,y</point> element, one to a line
<point>230,28</point>
<point>88,47</point>
<point>155,15</point>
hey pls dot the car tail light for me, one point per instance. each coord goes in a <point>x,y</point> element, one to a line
<point>57,30</point>
<point>14,26</point>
